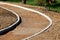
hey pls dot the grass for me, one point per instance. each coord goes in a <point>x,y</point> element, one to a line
<point>56,7</point>
<point>14,0</point>
<point>33,2</point>
<point>30,2</point>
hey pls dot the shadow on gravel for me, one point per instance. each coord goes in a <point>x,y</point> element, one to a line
<point>10,29</point>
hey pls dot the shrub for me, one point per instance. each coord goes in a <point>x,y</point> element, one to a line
<point>40,2</point>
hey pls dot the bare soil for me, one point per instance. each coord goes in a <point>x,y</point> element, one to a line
<point>6,18</point>
<point>32,23</point>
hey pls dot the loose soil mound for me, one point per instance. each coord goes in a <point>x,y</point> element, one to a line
<point>6,18</point>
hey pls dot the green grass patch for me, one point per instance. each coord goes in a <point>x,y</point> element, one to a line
<point>14,0</point>
<point>33,2</point>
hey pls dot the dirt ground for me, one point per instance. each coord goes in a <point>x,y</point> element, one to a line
<point>6,18</point>
<point>32,23</point>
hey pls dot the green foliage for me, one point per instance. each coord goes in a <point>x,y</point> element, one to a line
<point>40,2</point>
<point>58,1</point>
<point>31,2</point>
<point>14,0</point>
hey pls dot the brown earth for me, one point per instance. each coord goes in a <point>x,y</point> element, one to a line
<point>6,18</point>
<point>32,23</point>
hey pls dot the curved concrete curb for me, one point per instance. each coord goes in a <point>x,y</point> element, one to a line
<point>28,9</point>
<point>11,26</point>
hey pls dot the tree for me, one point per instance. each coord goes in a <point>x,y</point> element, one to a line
<point>24,1</point>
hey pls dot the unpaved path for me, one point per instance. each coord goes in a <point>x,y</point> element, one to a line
<point>32,23</point>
